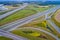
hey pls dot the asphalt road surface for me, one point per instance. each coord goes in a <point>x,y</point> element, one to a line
<point>11,12</point>
<point>20,22</point>
<point>54,26</point>
<point>41,31</point>
<point>10,35</point>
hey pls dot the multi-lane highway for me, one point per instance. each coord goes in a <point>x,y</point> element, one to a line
<point>41,30</point>
<point>11,12</point>
<point>13,25</point>
<point>52,23</point>
<point>54,26</point>
<point>10,35</point>
<point>20,22</point>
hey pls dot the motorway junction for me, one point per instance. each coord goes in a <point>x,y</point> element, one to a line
<point>30,22</point>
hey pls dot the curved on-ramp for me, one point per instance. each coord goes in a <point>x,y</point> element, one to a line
<point>42,31</point>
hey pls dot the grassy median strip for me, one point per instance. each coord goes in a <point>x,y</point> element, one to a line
<point>22,13</point>
<point>53,30</point>
<point>4,38</point>
<point>55,18</point>
<point>28,33</point>
<point>37,23</point>
<point>17,15</point>
<point>32,34</point>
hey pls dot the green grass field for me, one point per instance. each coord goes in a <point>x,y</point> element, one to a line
<point>37,23</point>
<point>39,9</point>
<point>22,13</point>
<point>17,15</point>
<point>53,30</point>
<point>4,38</point>
<point>32,34</point>
<point>54,20</point>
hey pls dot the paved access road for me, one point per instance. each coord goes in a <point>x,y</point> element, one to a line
<point>10,35</point>
<point>20,22</point>
<point>11,12</point>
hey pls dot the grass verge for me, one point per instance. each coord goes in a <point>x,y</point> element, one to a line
<point>32,34</point>
<point>4,38</point>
